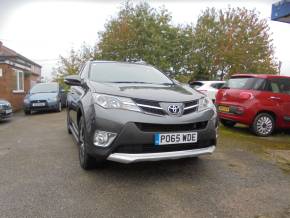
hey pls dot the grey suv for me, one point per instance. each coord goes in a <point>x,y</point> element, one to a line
<point>127,112</point>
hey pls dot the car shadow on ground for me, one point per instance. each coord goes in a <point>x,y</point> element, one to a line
<point>245,130</point>
<point>35,113</point>
<point>6,121</point>
<point>160,170</point>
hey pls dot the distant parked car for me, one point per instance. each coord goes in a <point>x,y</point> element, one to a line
<point>43,97</point>
<point>5,109</point>
<point>209,88</point>
<point>259,101</point>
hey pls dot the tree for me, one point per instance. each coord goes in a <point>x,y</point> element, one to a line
<point>71,65</point>
<point>222,43</point>
<point>143,33</point>
<point>231,41</point>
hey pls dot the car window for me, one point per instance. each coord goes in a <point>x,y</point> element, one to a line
<point>259,84</point>
<point>246,83</point>
<point>196,85</point>
<point>280,85</point>
<point>126,73</point>
<point>217,85</point>
<point>44,88</point>
<point>85,70</point>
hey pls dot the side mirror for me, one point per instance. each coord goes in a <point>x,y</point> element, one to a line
<point>168,74</point>
<point>73,80</point>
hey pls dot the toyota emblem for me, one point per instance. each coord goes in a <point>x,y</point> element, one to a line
<point>174,109</point>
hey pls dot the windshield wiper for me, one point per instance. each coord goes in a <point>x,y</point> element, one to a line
<point>43,92</point>
<point>166,84</point>
<point>132,82</point>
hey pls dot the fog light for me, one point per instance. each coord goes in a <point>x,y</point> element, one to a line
<point>103,138</point>
<point>239,110</point>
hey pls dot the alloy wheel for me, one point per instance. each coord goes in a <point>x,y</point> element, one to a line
<point>264,125</point>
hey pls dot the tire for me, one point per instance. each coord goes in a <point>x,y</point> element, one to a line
<point>28,112</point>
<point>59,109</point>
<point>263,125</point>
<point>68,124</point>
<point>228,123</point>
<point>87,162</point>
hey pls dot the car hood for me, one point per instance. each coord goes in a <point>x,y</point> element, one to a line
<point>2,101</point>
<point>155,92</point>
<point>41,96</point>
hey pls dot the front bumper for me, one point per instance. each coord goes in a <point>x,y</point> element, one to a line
<point>48,106</point>
<point>4,115</point>
<point>131,158</point>
<point>135,140</point>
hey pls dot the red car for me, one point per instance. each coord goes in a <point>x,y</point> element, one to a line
<point>259,101</point>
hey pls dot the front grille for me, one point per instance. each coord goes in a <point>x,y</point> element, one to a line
<point>39,101</point>
<point>150,148</point>
<point>190,107</point>
<point>6,107</point>
<point>190,110</point>
<point>153,107</point>
<point>190,103</point>
<point>147,102</point>
<point>148,127</point>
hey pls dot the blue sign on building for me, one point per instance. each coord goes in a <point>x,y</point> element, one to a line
<point>281,11</point>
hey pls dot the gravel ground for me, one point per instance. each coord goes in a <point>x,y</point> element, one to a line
<point>40,177</point>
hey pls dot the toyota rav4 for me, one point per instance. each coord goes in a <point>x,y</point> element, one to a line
<point>128,112</point>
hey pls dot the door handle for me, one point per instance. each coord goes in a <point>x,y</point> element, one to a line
<point>274,98</point>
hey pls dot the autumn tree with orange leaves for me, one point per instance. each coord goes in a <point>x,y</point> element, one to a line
<point>221,43</point>
<point>231,41</point>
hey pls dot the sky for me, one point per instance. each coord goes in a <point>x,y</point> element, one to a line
<point>42,30</point>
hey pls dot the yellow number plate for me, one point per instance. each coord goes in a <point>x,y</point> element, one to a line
<point>224,109</point>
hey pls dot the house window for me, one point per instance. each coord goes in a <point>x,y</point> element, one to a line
<point>18,81</point>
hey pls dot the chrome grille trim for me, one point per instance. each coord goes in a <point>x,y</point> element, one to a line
<point>149,106</point>
<point>156,108</point>
<point>193,106</point>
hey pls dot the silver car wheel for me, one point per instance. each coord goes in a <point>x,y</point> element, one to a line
<point>264,125</point>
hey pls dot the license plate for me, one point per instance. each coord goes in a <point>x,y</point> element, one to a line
<point>38,104</point>
<point>175,138</point>
<point>9,111</point>
<point>224,109</point>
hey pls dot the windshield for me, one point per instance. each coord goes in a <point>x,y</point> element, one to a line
<point>196,85</point>
<point>44,88</point>
<point>126,73</point>
<point>246,83</point>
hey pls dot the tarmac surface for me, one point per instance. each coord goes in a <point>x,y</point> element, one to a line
<point>40,176</point>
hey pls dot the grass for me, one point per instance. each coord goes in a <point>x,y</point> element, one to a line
<point>275,147</point>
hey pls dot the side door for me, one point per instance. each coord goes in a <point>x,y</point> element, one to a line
<point>75,96</point>
<point>280,97</point>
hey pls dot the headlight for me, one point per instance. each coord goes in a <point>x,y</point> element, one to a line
<point>26,101</point>
<point>53,99</point>
<point>115,102</point>
<point>205,103</point>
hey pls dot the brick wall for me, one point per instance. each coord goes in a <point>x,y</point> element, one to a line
<point>7,86</point>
